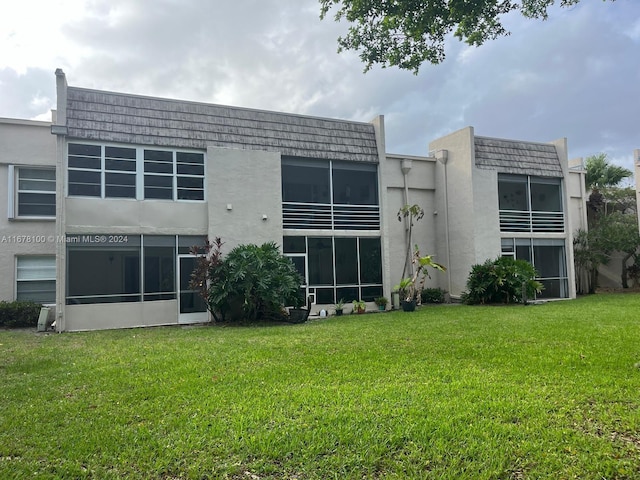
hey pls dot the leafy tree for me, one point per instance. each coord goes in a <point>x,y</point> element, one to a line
<point>617,232</point>
<point>412,213</point>
<point>503,280</point>
<point>252,282</point>
<point>600,174</point>
<point>613,223</point>
<point>407,33</point>
<point>411,287</point>
<point>207,271</point>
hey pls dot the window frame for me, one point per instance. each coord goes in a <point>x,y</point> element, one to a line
<point>511,245</point>
<point>138,246</point>
<point>531,219</point>
<point>48,279</point>
<point>318,290</point>
<point>14,191</point>
<point>139,172</point>
<point>324,201</point>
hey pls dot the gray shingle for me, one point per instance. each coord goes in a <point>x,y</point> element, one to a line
<point>509,156</point>
<point>115,117</point>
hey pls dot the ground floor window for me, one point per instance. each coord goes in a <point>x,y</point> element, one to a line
<point>334,268</point>
<point>36,278</point>
<point>118,268</point>
<point>548,258</point>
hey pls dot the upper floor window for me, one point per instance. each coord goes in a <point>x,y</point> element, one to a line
<point>323,194</point>
<point>530,204</point>
<point>32,192</point>
<point>134,172</point>
<point>173,175</point>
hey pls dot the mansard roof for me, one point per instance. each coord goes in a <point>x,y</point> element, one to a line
<point>510,156</point>
<point>123,118</point>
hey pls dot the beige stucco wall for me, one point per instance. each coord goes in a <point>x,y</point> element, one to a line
<point>115,215</point>
<point>420,190</point>
<point>467,225</point>
<point>576,193</point>
<point>468,230</point>
<point>250,183</point>
<point>103,316</point>
<point>22,142</point>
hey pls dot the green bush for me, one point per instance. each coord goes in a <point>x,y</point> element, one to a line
<point>504,280</point>
<point>19,314</point>
<point>433,295</point>
<point>253,282</point>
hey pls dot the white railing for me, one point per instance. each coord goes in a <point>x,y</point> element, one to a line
<point>534,222</point>
<point>331,217</point>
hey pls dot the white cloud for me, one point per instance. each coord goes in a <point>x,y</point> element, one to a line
<point>574,75</point>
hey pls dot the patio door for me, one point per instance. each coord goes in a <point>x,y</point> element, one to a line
<point>300,262</point>
<point>191,306</point>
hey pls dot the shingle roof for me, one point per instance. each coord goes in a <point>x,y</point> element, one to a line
<point>509,156</point>
<point>116,117</point>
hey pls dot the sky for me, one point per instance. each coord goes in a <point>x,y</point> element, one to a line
<point>575,75</point>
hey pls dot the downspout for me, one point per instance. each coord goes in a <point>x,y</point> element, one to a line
<point>443,156</point>
<point>59,128</point>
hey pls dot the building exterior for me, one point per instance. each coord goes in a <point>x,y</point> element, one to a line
<point>28,211</point>
<point>140,180</point>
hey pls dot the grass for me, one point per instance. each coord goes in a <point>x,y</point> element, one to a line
<point>544,391</point>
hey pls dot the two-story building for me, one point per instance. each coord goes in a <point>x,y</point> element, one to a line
<point>127,184</point>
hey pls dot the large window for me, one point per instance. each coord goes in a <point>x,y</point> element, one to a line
<point>348,268</point>
<point>134,172</point>
<point>322,194</point>
<point>103,271</point>
<point>125,268</point>
<point>159,267</point>
<point>530,204</point>
<point>36,278</point>
<point>548,258</point>
<point>32,192</point>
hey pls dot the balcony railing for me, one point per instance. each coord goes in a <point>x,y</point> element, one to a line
<point>531,222</point>
<point>330,217</point>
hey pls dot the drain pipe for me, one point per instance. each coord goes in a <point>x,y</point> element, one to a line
<point>442,156</point>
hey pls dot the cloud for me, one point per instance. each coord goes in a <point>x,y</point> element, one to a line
<point>28,95</point>
<point>573,76</point>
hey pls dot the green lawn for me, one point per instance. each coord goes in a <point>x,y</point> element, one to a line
<point>543,391</point>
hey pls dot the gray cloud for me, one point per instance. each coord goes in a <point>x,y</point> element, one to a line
<point>27,95</point>
<point>573,76</point>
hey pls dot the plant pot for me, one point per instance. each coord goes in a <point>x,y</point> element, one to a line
<point>408,306</point>
<point>338,312</point>
<point>298,315</point>
<point>382,308</point>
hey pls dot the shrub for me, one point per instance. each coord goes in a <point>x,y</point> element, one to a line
<point>19,314</point>
<point>504,280</point>
<point>433,295</point>
<point>252,282</point>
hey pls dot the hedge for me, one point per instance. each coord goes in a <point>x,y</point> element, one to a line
<point>19,314</point>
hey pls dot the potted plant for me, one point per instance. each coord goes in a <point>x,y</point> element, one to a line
<point>359,306</point>
<point>407,291</point>
<point>299,314</point>
<point>339,307</point>
<point>381,302</point>
<point>410,288</point>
